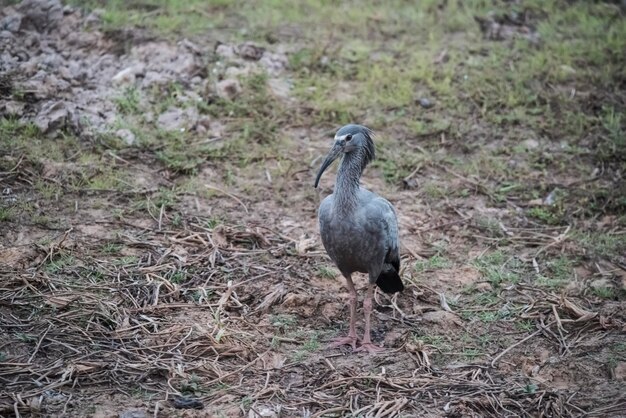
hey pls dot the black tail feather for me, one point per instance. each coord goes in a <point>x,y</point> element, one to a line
<point>389,281</point>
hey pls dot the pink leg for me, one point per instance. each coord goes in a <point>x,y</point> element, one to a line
<point>351,338</point>
<point>367,344</point>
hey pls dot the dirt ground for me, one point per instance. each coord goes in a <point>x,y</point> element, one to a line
<point>159,248</point>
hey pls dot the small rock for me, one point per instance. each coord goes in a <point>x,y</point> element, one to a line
<point>6,35</point>
<point>204,123</point>
<point>250,51</point>
<point>228,88</point>
<point>127,75</point>
<point>44,85</point>
<point>83,39</point>
<point>186,43</point>
<point>441,317</point>
<point>425,103</point>
<point>133,413</point>
<point>32,40</point>
<point>225,51</point>
<point>12,108</point>
<point>50,61</point>
<point>177,119</point>
<point>41,15</point>
<point>126,135</point>
<point>200,129</point>
<point>530,144</point>
<point>11,22</point>
<point>94,18</point>
<point>274,63</point>
<point>171,120</point>
<point>55,115</point>
<point>185,64</point>
<point>550,198</point>
<point>484,287</point>
<point>234,72</point>
<point>155,78</point>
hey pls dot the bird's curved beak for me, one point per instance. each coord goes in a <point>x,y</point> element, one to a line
<point>335,152</point>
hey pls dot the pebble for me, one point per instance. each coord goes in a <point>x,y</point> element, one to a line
<point>126,135</point>
<point>250,51</point>
<point>425,103</point>
<point>228,88</point>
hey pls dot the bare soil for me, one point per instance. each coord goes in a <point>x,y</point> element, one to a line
<point>206,291</point>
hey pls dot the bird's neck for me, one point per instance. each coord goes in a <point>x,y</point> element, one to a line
<point>347,184</point>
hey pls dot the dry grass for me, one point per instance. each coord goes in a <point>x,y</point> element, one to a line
<point>183,323</point>
<point>182,274</point>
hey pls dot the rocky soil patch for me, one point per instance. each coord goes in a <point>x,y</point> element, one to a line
<point>60,70</point>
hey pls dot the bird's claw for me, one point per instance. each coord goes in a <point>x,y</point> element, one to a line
<point>338,342</point>
<point>371,348</point>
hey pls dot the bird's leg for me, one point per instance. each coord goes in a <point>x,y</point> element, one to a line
<point>351,338</point>
<point>367,344</point>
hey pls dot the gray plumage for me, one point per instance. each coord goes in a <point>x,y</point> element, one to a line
<point>359,229</point>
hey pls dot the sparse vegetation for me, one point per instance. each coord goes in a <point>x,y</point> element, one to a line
<point>326,272</point>
<point>435,262</point>
<point>174,253</point>
<point>500,268</point>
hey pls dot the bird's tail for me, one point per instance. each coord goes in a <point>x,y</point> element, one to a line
<point>389,280</point>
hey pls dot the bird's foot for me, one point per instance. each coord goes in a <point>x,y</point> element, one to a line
<point>338,342</point>
<point>371,348</point>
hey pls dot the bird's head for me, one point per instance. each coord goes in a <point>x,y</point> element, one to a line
<point>349,139</point>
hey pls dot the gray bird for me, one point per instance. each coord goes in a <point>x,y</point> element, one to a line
<point>359,229</point>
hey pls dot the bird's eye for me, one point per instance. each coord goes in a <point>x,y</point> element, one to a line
<point>348,138</point>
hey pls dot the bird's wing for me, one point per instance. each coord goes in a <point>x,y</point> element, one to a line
<point>387,219</point>
<point>393,254</point>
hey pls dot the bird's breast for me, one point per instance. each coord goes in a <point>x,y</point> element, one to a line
<point>350,246</point>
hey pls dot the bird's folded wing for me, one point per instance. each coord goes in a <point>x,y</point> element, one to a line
<point>383,219</point>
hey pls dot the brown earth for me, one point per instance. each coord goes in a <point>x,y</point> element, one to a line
<point>220,301</point>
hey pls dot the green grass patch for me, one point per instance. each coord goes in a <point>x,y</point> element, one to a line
<point>128,102</point>
<point>525,325</point>
<point>193,386</point>
<point>499,268</point>
<point>436,262</point>
<point>283,320</point>
<point>59,263</point>
<point>7,213</point>
<point>558,272</point>
<point>311,345</point>
<point>546,214</point>
<point>604,292</point>
<point>111,248</point>
<point>326,272</point>
<point>601,244</point>
<point>165,17</point>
